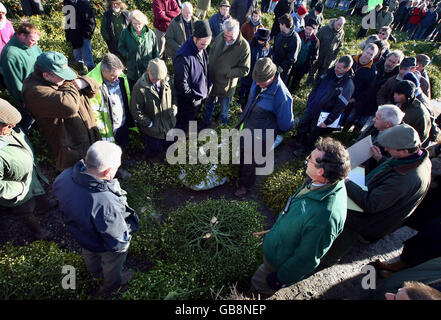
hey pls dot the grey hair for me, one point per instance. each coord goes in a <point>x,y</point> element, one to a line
<point>372,46</point>
<point>397,53</point>
<point>103,155</point>
<point>111,62</point>
<point>342,19</point>
<point>391,113</point>
<point>230,25</point>
<point>187,4</point>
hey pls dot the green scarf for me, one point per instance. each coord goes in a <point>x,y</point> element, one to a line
<point>392,162</point>
<point>140,38</point>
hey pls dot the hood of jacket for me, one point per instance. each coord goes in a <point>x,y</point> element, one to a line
<point>92,183</point>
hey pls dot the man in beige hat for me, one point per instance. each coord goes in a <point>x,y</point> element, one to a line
<point>269,107</point>
<point>394,190</point>
<point>19,174</point>
<point>153,107</point>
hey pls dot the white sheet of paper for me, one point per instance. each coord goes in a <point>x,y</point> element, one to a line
<point>324,115</point>
<point>360,151</point>
<point>357,175</point>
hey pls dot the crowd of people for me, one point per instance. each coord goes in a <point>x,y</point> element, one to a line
<point>86,121</point>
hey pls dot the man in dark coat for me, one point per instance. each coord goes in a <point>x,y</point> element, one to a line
<point>80,31</point>
<point>96,213</point>
<point>309,52</point>
<point>359,109</point>
<point>114,21</point>
<point>241,9</point>
<point>330,94</point>
<point>282,7</point>
<point>190,67</point>
<point>286,47</point>
<point>394,190</point>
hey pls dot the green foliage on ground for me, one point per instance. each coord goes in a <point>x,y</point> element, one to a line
<point>281,184</point>
<point>207,246</point>
<point>35,272</point>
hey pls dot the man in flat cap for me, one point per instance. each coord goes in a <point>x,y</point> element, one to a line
<point>20,174</point>
<point>191,79</point>
<point>153,107</point>
<point>269,107</point>
<point>394,189</point>
<point>59,102</point>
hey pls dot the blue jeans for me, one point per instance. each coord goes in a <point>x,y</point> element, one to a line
<point>85,54</point>
<point>419,33</point>
<point>209,108</point>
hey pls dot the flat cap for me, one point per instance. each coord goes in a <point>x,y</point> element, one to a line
<point>400,137</point>
<point>8,114</point>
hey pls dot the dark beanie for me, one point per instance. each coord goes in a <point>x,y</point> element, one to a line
<point>319,7</point>
<point>201,29</point>
<point>264,70</point>
<point>263,34</point>
<point>310,22</point>
<point>405,87</point>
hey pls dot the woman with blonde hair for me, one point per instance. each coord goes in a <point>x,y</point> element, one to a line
<point>138,46</point>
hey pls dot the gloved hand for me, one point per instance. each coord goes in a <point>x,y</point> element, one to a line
<point>273,282</point>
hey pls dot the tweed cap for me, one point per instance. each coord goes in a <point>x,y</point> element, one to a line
<point>264,70</point>
<point>224,3</point>
<point>400,137</point>
<point>405,87</point>
<point>157,69</point>
<point>8,114</point>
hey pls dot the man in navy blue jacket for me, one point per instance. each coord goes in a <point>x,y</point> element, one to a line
<point>269,108</point>
<point>286,47</point>
<point>330,94</point>
<point>96,212</point>
<point>191,74</point>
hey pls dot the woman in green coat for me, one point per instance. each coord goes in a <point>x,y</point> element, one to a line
<point>138,46</point>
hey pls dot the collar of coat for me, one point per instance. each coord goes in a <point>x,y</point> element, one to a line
<point>321,193</point>
<point>147,84</point>
<point>79,176</point>
<point>303,37</point>
<point>369,65</point>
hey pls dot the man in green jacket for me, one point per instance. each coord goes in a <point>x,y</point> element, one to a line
<point>114,21</point>
<point>111,103</point>
<point>17,63</point>
<point>180,29</point>
<point>393,191</point>
<point>313,217</point>
<point>331,39</point>
<point>153,107</point>
<point>19,173</point>
<point>229,60</point>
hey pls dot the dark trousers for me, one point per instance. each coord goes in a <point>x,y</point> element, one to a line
<point>107,265</point>
<point>187,113</point>
<point>31,7</point>
<point>244,92</point>
<point>296,75</point>
<point>155,146</point>
<point>426,211</point>
<point>308,131</point>
<point>247,176</point>
<point>131,83</point>
<point>265,5</point>
<point>424,246</point>
<point>122,136</point>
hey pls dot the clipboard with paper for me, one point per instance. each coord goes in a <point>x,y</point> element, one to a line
<point>322,117</point>
<point>359,153</point>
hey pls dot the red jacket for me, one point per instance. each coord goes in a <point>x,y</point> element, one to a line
<point>164,11</point>
<point>417,15</point>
